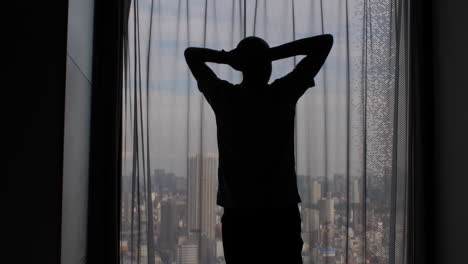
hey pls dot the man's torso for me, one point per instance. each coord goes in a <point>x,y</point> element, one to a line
<point>255,134</point>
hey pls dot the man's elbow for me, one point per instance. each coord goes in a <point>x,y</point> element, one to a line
<point>328,40</point>
<point>188,53</point>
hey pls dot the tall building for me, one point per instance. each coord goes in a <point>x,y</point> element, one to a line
<point>164,181</point>
<point>202,186</point>
<point>340,185</point>
<point>355,191</point>
<point>327,210</point>
<point>193,196</point>
<point>311,226</point>
<point>311,220</point>
<point>180,184</point>
<point>181,205</point>
<point>156,181</point>
<point>315,192</point>
<point>168,232</point>
<point>126,209</point>
<point>188,253</point>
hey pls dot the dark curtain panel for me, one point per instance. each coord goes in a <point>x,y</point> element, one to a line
<point>104,183</point>
<point>421,201</point>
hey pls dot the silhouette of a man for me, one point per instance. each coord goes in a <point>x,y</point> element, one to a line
<point>255,130</point>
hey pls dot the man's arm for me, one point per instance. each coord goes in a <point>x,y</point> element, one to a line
<point>196,60</point>
<point>305,46</point>
<point>315,48</point>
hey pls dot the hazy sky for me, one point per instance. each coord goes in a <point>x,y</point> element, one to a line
<point>321,111</point>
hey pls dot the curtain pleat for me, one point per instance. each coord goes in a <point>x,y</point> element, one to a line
<point>351,129</point>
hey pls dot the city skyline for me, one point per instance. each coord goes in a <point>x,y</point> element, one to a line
<point>323,215</point>
<point>345,130</point>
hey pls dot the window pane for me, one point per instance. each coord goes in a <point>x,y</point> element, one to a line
<point>351,144</point>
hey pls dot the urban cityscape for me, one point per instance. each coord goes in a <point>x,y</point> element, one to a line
<point>186,226</point>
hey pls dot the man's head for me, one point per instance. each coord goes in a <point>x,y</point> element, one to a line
<point>254,60</point>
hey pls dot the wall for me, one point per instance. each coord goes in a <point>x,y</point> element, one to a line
<point>77,131</point>
<point>32,114</point>
<point>451,130</point>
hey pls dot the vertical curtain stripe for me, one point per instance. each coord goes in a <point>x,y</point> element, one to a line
<point>187,132</point>
<point>245,18</point>
<point>294,64</point>
<point>255,17</point>
<point>325,104</point>
<point>149,202</point>
<point>364,125</point>
<point>348,129</point>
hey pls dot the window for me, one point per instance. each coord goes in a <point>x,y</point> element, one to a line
<point>351,132</point>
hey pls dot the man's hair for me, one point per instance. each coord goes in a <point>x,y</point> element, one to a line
<point>253,43</point>
<point>254,52</point>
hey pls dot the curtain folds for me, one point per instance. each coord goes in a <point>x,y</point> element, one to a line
<point>351,129</point>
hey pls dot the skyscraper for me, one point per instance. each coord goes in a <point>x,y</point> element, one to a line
<point>202,181</point>
<point>315,192</point>
<point>355,191</point>
<point>311,220</point>
<point>327,210</point>
<point>168,234</point>
<point>311,226</point>
<point>188,253</point>
<point>193,196</point>
<point>340,185</point>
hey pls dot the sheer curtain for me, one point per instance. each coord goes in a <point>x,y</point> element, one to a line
<point>351,128</point>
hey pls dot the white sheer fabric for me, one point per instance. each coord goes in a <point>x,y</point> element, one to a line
<point>351,129</point>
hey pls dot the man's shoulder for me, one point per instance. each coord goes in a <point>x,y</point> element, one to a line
<point>214,85</point>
